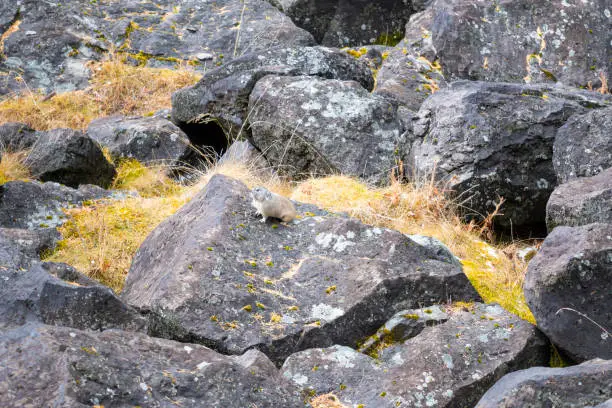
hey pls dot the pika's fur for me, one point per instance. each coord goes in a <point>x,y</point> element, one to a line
<point>269,204</point>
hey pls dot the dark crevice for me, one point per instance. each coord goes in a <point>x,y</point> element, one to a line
<point>208,141</point>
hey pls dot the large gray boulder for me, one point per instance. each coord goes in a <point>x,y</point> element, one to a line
<point>63,367</point>
<point>515,41</point>
<point>568,286</point>
<point>451,364</point>
<point>582,201</point>
<point>491,140</point>
<point>217,106</point>
<point>69,157</point>
<point>34,205</point>
<point>342,23</point>
<point>214,274</point>
<point>57,294</point>
<point>53,43</point>
<point>153,140</point>
<point>583,146</point>
<point>15,137</point>
<point>308,125</point>
<point>20,247</point>
<point>583,385</point>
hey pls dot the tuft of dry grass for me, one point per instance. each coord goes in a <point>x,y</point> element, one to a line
<point>12,167</point>
<point>326,401</point>
<point>115,88</point>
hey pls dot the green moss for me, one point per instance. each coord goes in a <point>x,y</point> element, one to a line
<point>390,39</point>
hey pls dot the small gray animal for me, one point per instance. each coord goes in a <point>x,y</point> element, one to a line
<point>269,204</point>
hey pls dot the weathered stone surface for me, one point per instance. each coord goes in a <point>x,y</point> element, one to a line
<point>66,299</point>
<point>214,274</point>
<point>20,247</point>
<point>407,78</point>
<point>57,366</point>
<point>53,42</point>
<point>437,247</point>
<point>308,125</point>
<point>583,385</point>
<point>492,139</point>
<point>341,23</point>
<point>222,95</point>
<point>583,146</point>
<point>447,365</point>
<point>568,286</point>
<point>146,139</point>
<point>580,202</point>
<point>33,205</point>
<point>515,41</point>
<point>16,136</point>
<point>69,157</point>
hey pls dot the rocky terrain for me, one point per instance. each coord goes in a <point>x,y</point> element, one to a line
<point>502,104</point>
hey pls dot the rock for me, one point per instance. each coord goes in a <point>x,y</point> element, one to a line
<point>15,137</point>
<point>20,247</point>
<point>146,139</point>
<point>583,385</point>
<point>52,44</point>
<point>351,23</point>
<point>69,157</point>
<point>308,125</point>
<point>451,364</point>
<point>71,368</point>
<point>33,205</point>
<point>491,140</point>
<point>68,299</point>
<point>580,202</point>
<point>515,41</point>
<point>407,78</point>
<point>583,146</point>
<point>568,286</point>
<point>214,274</point>
<point>218,104</point>
<point>436,247</point>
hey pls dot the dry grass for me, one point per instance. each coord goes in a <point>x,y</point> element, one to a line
<point>12,167</point>
<point>116,88</point>
<point>326,401</point>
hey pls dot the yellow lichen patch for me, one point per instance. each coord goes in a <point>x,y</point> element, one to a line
<point>12,167</point>
<point>116,88</point>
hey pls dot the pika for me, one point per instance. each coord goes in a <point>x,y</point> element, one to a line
<point>269,204</point>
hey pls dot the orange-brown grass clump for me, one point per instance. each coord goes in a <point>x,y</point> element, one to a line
<point>326,401</point>
<point>115,88</point>
<point>12,167</point>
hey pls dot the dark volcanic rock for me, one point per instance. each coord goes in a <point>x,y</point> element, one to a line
<point>71,158</point>
<point>57,366</point>
<point>568,287</point>
<point>54,41</point>
<point>583,146</point>
<point>16,136</point>
<point>222,95</point>
<point>20,247</point>
<point>146,139</point>
<point>515,41</point>
<point>214,274</point>
<point>68,299</point>
<point>583,385</point>
<point>33,205</point>
<point>492,139</point>
<point>308,125</point>
<point>580,202</point>
<point>448,365</point>
<point>341,23</point>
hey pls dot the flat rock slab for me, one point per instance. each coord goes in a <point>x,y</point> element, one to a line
<point>20,247</point>
<point>568,287</point>
<point>58,366</point>
<point>214,274</point>
<point>581,201</point>
<point>34,205</point>
<point>308,125</point>
<point>222,94</point>
<point>53,42</point>
<point>583,146</point>
<point>451,364</point>
<point>57,294</point>
<point>491,140</point>
<point>583,385</point>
